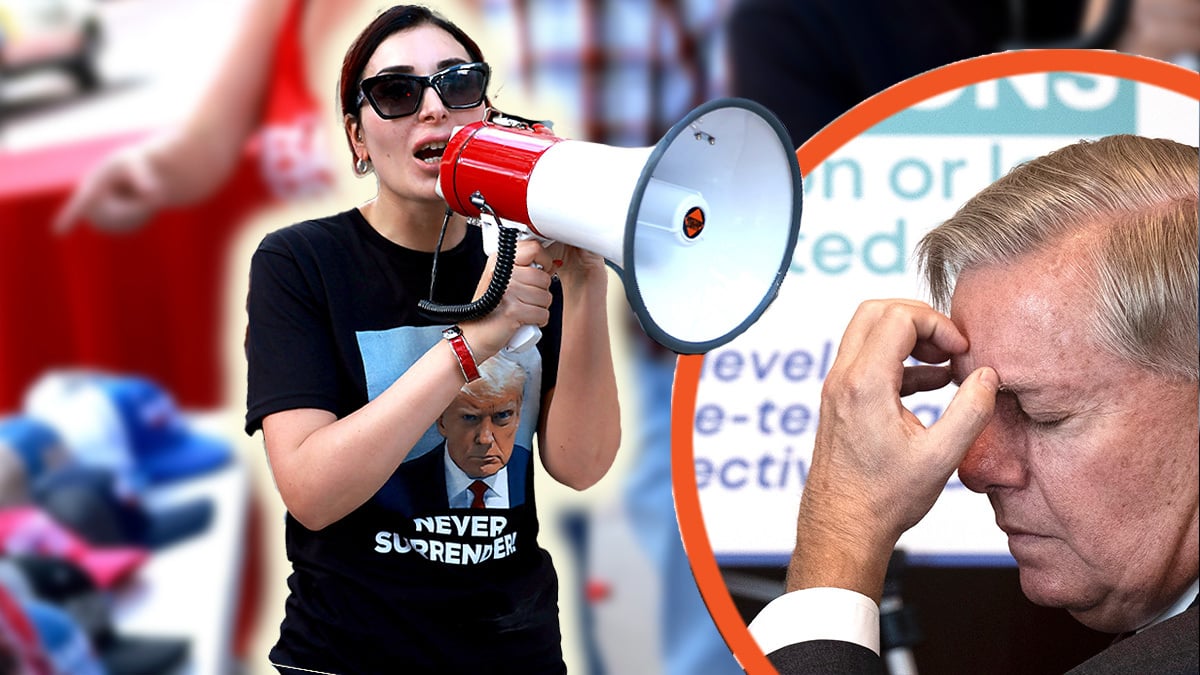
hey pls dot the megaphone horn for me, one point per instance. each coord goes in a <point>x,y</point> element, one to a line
<point>701,226</point>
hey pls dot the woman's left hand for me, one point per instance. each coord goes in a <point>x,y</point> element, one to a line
<point>574,265</point>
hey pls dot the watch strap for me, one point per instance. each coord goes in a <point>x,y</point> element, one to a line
<point>462,351</point>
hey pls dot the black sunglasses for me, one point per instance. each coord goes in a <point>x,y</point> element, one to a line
<point>394,95</point>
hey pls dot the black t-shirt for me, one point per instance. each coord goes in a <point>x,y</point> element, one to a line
<point>407,582</point>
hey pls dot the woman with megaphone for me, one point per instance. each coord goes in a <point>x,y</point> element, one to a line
<point>348,379</point>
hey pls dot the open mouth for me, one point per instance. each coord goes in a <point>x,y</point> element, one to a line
<point>431,153</point>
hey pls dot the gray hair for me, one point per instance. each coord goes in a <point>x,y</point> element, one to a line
<point>1136,199</point>
<point>497,376</point>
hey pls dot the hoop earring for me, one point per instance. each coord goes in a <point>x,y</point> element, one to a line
<point>362,166</point>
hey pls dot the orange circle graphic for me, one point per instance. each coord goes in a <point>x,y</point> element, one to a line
<point>814,151</point>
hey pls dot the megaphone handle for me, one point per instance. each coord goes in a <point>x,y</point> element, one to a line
<point>523,339</point>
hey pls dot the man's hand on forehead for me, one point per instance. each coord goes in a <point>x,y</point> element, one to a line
<point>877,470</point>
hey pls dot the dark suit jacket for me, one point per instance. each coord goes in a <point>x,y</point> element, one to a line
<point>421,482</point>
<point>1168,648</point>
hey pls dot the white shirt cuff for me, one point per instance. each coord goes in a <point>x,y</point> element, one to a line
<point>817,614</point>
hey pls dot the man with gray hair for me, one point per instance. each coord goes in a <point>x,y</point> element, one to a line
<point>480,424</point>
<point>1071,291</point>
<point>479,463</point>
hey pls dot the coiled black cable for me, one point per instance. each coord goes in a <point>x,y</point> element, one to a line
<point>506,255</point>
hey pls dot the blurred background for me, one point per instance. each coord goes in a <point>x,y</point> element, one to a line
<point>122,460</point>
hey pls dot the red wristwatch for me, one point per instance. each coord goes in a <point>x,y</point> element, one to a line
<point>462,350</point>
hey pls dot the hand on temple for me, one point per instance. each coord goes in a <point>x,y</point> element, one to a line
<point>876,469</point>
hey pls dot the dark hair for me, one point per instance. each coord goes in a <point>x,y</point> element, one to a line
<point>391,21</point>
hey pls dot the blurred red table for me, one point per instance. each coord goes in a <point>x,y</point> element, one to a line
<point>149,302</point>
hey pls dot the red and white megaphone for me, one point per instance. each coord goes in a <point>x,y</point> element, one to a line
<point>700,226</point>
